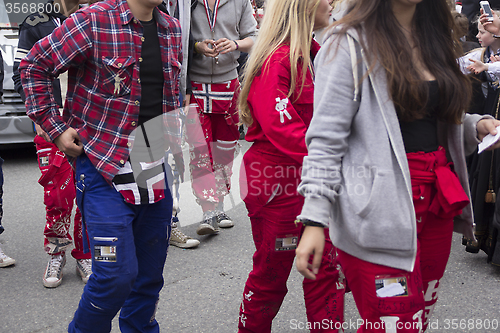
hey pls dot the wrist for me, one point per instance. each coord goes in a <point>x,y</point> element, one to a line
<point>237,46</point>
<point>196,47</point>
<point>309,223</point>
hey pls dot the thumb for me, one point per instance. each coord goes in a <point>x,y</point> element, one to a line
<point>490,126</point>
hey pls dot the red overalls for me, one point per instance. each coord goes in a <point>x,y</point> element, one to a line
<point>212,134</point>
<point>437,197</point>
<point>58,183</point>
<point>269,178</point>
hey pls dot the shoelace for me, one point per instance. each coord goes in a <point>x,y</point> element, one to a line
<point>3,255</point>
<point>86,265</point>
<point>179,234</point>
<point>55,264</point>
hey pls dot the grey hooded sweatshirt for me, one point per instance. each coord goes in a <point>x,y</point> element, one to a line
<point>355,178</point>
<point>234,21</point>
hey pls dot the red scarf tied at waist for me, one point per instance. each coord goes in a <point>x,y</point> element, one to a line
<point>434,168</point>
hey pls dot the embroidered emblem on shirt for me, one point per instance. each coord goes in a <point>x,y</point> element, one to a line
<point>281,105</point>
<point>118,80</point>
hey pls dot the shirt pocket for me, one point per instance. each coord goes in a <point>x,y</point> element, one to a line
<point>118,74</point>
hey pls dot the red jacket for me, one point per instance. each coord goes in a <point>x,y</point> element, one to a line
<point>280,123</point>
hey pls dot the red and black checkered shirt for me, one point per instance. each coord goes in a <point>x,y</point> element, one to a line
<point>100,47</point>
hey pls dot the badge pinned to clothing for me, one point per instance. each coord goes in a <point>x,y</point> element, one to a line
<point>391,286</point>
<point>287,243</point>
<point>44,161</point>
<point>281,105</point>
<point>118,80</point>
<point>105,253</point>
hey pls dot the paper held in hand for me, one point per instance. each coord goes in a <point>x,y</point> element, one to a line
<point>488,140</point>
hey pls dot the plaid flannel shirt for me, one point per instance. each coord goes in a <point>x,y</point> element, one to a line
<point>100,47</point>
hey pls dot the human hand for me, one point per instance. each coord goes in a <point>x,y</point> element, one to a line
<point>490,26</point>
<point>312,241</point>
<point>225,45</point>
<point>494,58</point>
<point>42,133</point>
<point>69,143</point>
<point>488,126</point>
<point>477,66</point>
<point>186,104</point>
<point>207,48</point>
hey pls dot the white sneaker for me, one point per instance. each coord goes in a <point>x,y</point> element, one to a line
<point>84,268</point>
<point>5,260</point>
<point>224,220</point>
<point>53,273</point>
<point>179,239</point>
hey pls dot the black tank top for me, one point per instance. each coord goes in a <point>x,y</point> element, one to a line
<point>421,134</point>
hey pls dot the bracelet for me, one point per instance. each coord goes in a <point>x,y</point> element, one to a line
<point>195,45</point>
<point>237,46</point>
<point>309,223</point>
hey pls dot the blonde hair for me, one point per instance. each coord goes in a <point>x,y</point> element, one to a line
<point>285,21</point>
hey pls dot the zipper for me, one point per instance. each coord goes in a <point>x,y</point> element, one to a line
<point>106,239</point>
<point>405,176</point>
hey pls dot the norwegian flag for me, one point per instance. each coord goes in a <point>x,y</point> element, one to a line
<point>216,97</point>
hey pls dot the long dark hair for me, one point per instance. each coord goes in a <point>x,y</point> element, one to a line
<point>433,27</point>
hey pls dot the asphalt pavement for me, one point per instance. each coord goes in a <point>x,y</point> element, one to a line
<point>203,286</point>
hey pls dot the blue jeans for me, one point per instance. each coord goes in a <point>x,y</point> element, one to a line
<point>128,245</point>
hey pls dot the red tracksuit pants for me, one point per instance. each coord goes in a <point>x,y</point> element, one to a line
<point>58,183</point>
<point>437,197</point>
<point>213,142</point>
<point>269,192</point>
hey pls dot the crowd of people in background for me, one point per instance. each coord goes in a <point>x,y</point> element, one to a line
<point>375,112</point>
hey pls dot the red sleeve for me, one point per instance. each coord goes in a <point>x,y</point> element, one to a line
<point>274,112</point>
<point>314,48</point>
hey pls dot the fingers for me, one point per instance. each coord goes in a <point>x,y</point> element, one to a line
<point>316,262</point>
<point>492,126</point>
<point>485,127</point>
<point>45,136</point>
<point>208,48</point>
<point>311,242</point>
<point>225,45</point>
<point>302,264</point>
<point>69,143</point>
<point>75,150</point>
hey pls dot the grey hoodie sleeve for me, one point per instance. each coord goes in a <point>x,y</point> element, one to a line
<point>330,128</point>
<point>247,24</point>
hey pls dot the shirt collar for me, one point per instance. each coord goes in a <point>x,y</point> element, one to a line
<point>126,14</point>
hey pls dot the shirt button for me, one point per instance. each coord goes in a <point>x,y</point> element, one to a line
<point>120,64</point>
<point>133,123</point>
<point>143,39</point>
<point>129,144</point>
<point>136,102</point>
<point>139,80</point>
<point>122,162</point>
<point>140,59</point>
<point>135,21</point>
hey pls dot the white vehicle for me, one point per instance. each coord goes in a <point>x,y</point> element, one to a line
<point>15,126</point>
